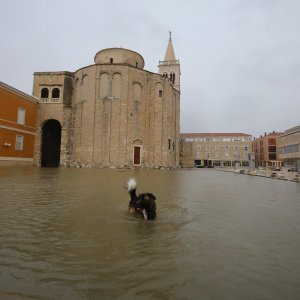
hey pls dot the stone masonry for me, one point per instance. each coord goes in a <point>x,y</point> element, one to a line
<point>112,113</point>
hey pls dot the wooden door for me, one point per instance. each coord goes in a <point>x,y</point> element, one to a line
<point>137,155</point>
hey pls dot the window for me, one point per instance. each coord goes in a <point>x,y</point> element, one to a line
<point>169,144</point>
<point>207,151</point>
<point>236,149</point>
<point>246,151</point>
<point>272,148</point>
<point>21,116</point>
<point>172,77</point>
<point>291,148</point>
<point>44,93</point>
<point>55,93</point>
<point>19,142</point>
<point>217,153</point>
<point>198,151</point>
<point>160,93</point>
<point>111,60</point>
<point>281,150</point>
<point>226,151</point>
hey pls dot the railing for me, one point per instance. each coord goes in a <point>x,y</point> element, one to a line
<point>168,62</point>
<point>50,100</point>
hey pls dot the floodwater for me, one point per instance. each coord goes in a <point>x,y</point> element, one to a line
<point>65,234</point>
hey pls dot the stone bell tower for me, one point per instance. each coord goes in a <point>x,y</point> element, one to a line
<point>170,66</point>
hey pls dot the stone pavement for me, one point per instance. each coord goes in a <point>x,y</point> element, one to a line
<point>265,172</point>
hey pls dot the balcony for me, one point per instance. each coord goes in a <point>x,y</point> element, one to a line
<point>168,62</point>
<point>50,100</point>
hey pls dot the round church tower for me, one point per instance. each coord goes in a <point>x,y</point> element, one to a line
<point>117,114</point>
<point>119,56</point>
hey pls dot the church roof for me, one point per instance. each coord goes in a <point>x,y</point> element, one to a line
<point>170,55</point>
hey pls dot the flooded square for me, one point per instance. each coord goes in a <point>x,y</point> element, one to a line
<point>66,234</point>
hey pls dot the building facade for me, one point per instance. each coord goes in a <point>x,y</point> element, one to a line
<point>110,114</point>
<point>214,149</point>
<point>17,126</point>
<point>289,148</point>
<point>266,150</point>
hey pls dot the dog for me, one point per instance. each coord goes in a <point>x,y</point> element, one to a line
<point>143,204</point>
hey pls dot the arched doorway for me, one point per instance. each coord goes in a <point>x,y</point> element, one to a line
<point>51,139</point>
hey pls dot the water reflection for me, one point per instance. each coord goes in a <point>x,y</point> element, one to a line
<point>65,234</point>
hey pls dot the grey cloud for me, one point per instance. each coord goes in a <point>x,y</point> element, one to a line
<point>240,59</point>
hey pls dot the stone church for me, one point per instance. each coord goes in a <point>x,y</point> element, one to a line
<point>112,113</point>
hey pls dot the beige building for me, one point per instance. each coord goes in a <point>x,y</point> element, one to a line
<point>112,113</point>
<point>289,148</point>
<point>214,149</point>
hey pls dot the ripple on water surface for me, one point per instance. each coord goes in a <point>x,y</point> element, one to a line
<point>65,234</point>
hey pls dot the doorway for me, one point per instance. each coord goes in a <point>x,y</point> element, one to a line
<point>51,140</point>
<point>137,155</point>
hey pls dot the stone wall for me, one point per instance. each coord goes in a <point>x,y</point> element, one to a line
<point>108,110</point>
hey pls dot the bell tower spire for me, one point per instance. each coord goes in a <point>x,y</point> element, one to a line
<point>170,66</point>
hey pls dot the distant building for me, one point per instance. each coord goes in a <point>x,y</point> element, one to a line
<point>214,149</point>
<point>289,148</point>
<point>266,150</point>
<point>112,113</point>
<point>17,126</point>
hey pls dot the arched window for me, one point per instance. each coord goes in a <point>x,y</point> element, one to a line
<point>172,77</point>
<point>169,144</point>
<point>160,93</point>
<point>44,93</point>
<point>55,93</point>
<point>137,91</point>
<point>165,75</point>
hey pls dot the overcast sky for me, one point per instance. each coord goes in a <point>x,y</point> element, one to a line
<point>240,59</point>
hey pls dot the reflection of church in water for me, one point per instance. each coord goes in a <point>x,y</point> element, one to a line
<point>110,114</point>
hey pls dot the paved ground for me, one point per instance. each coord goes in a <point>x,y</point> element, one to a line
<point>264,172</point>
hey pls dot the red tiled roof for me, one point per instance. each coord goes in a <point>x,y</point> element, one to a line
<point>212,134</point>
